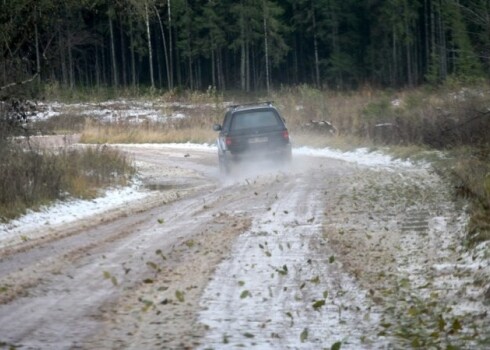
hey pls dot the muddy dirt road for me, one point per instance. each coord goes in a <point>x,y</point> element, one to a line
<point>326,252</point>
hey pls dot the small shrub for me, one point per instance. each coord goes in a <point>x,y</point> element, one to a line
<point>479,226</point>
<point>61,124</point>
<point>378,111</point>
<point>31,178</point>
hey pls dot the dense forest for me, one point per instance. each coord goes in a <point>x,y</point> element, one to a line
<point>243,44</point>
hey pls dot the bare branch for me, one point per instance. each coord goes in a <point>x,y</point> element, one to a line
<point>19,82</point>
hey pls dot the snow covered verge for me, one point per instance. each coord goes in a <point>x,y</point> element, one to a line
<point>29,226</point>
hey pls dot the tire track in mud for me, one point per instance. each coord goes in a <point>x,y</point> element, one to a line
<point>163,313</point>
<point>65,245</point>
<point>106,281</point>
<point>72,291</point>
<point>282,287</point>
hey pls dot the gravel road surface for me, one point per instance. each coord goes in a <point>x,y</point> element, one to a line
<point>321,253</point>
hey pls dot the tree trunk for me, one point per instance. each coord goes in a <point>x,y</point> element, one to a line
<point>178,67</point>
<point>123,54</point>
<point>159,60</point>
<point>442,44</point>
<point>315,48</point>
<point>408,50</point>
<point>189,67</point>
<point>213,68</point>
<point>133,61</point>
<point>426,62</point>
<point>97,67</point>
<point>113,53</point>
<point>409,65</point>
<point>432,29</point>
<point>199,75</point>
<point>70,61</point>
<point>150,53</point>
<point>266,49</point>
<point>339,82</point>
<point>86,74</point>
<point>38,57</point>
<point>170,44</point>
<point>104,62</point>
<point>221,77</point>
<point>395,59</point>
<point>247,66</point>
<point>417,59</point>
<point>169,83</point>
<point>243,57</point>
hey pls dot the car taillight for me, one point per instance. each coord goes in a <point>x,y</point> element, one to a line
<point>285,135</point>
<point>228,141</point>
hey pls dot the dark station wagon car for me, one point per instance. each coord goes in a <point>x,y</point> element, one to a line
<point>252,132</point>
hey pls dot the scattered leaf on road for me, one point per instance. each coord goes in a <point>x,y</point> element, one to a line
<point>318,304</point>
<point>304,335</point>
<point>245,294</point>
<point>180,296</point>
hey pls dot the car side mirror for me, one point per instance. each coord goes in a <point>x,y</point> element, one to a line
<point>217,127</point>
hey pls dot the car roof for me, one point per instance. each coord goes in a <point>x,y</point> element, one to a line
<point>251,106</point>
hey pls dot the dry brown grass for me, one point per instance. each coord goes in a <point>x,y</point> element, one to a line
<point>471,173</point>
<point>31,178</point>
<point>61,124</point>
<point>146,133</point>
<point>302,104</point>
<point>441,119</point>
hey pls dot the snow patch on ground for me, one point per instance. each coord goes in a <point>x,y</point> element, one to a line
<point>133,111</point>
<point>179,146</point>
<point>64,212</point>
<point>360,156</point>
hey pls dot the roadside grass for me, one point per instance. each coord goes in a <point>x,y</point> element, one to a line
<point>471,177</point>
<point>423,116</point>
<point>35,177</point>
<point>67,123</point>
<point>321,140</point>
<point>99,134</point>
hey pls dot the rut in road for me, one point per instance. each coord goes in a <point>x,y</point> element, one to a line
<point>281,288</point>
<point>73,292</point>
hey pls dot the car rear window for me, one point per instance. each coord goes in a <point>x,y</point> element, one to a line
<point>254,119</point>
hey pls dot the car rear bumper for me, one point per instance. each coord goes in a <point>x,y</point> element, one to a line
<point>276,154</point>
